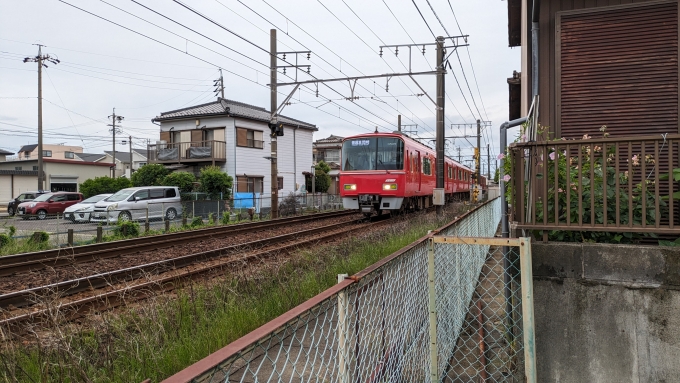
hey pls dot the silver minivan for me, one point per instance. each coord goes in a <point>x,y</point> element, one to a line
<point>133,204</point>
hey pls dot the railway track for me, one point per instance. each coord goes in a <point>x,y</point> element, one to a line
<point>12,264</point>
<point>103,291</point>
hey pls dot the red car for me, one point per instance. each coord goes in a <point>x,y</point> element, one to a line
<point>48,204</point>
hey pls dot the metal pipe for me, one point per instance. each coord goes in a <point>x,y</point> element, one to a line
<point>505,227</point>
<point>534,48</point>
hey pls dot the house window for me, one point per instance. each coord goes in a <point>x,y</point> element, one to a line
<point>332,156</point>
<point>280,182</point>
<point>141,164</point>
<point>27,155</point>
<point>249,138</point>
<point>35,167</point>
<point>69,155</point>
<point>47,153</point>
<point>246,184</point>
<point>18,168</point>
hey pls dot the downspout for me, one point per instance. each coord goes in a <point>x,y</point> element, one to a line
<point>505,224</point>
<point>534,47</point>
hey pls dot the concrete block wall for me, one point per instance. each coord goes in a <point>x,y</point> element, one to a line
<point>607,313</point>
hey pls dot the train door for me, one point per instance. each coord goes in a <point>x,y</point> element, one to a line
<point>418,169</point>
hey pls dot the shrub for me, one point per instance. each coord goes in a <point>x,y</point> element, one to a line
<point>288,205</point>
<point>126,229</point>
<point>183,180</point>
<point>39,237</point>
<point>322,181</point>
<point>149,175</point>
<point>101,185</point>
<point>215,182</point>
<point>197,222</point>
<point>5,240</point>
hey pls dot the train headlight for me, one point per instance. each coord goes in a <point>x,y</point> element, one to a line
<point>389,186</point>
<point>350,187</point>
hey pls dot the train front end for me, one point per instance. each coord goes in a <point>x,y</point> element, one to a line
<point>373,176</point>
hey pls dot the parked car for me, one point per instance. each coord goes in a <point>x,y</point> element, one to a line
<point>48,204</point>
<point>134,204</point>
<point>81,211</point>
<point>23,197</point>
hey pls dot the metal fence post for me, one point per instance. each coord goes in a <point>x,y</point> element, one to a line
<point>432,308</point>
<point>343,327</point>
<point>528,309</point>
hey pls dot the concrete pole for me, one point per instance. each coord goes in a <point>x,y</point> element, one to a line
<point>440,118</point>
<point>114,143</point>
<point>488,164</point>
<point>41,173</point>
<point>130,148</point>
<point>399,123</point>
<point>273,106</point>
<point>478,171</point>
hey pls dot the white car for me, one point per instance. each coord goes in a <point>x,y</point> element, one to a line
<point>135,204</point>
<point>80,212</point>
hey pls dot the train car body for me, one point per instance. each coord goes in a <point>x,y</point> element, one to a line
<point>391,171</point>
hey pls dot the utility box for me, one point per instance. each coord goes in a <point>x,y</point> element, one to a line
<point>438,196</point>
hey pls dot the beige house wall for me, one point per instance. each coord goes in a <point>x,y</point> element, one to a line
<point>12,186</point>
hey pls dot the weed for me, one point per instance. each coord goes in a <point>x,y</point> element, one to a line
<point>197,221</point>
<point>5,240</point>
<point>126,229</point>
<point>226,216</point>
<point>39,237</point>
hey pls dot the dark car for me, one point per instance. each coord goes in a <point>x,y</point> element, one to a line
<point>48,204</point>
<point>23,197</point>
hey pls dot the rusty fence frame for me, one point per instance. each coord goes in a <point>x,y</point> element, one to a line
<point>552,184</point>
<point>479,222</point>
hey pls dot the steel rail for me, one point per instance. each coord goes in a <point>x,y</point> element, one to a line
<point>54,258</point>
<point>73,310</point>
<point>97,281</point>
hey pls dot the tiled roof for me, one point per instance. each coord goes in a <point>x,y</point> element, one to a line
<point>90,157</point>
<point>5,152</point>
<point>231,108</point>
<point>28,148</point>
<point>120,156</point>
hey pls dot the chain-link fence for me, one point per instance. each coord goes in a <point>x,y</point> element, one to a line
<point>412,317</point>
<point>161,216</point>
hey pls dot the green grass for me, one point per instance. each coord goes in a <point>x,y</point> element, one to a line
<point>160,337</point>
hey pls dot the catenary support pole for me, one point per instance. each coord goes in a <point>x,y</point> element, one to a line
<point>478,160</point>
<point>488,163</point>
<point>440,118</point>
<point>274,106</point>
<point>130,148</point>
<point>399,122</point>
<point>41,170</point>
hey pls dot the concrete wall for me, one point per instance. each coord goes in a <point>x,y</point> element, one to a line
<point>607,313</point>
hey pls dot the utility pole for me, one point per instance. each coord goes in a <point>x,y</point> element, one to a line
<point>488,164</point>
<point>274,106</point>
<point>440,117</point>
<point>130,143</point>
<point>479,143</point>
<point>399,122</point>
<point>40,59</point>
<point>219,85</point>
<point>114,119</point>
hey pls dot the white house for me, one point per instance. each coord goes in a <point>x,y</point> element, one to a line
<point>139,159</point>
<point>235,137</point>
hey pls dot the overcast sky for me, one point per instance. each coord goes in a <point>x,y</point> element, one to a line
<point>105,65</point>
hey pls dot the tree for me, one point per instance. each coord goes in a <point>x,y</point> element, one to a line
<point>215,183</point>
<point>322,181</point>
<point>149,175</point>
<point>183,180</point>
<point>497,175</point>
<point>102,185</point>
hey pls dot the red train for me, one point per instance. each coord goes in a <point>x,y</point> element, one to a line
<point>391,171</point>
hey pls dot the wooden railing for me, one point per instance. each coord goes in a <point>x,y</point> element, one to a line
<point>182,152</point>
<point>614,185</point>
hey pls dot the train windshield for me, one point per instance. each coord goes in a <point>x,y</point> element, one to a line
<point>373,153</point>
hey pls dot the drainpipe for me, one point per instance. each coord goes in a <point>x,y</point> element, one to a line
<point>505,226</point>
<point>534,47</point>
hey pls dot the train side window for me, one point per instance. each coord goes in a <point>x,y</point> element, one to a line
<point>427,166</point>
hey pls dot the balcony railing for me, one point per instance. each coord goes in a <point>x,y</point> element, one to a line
<point>185,152</point>
<point>611,185</point>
